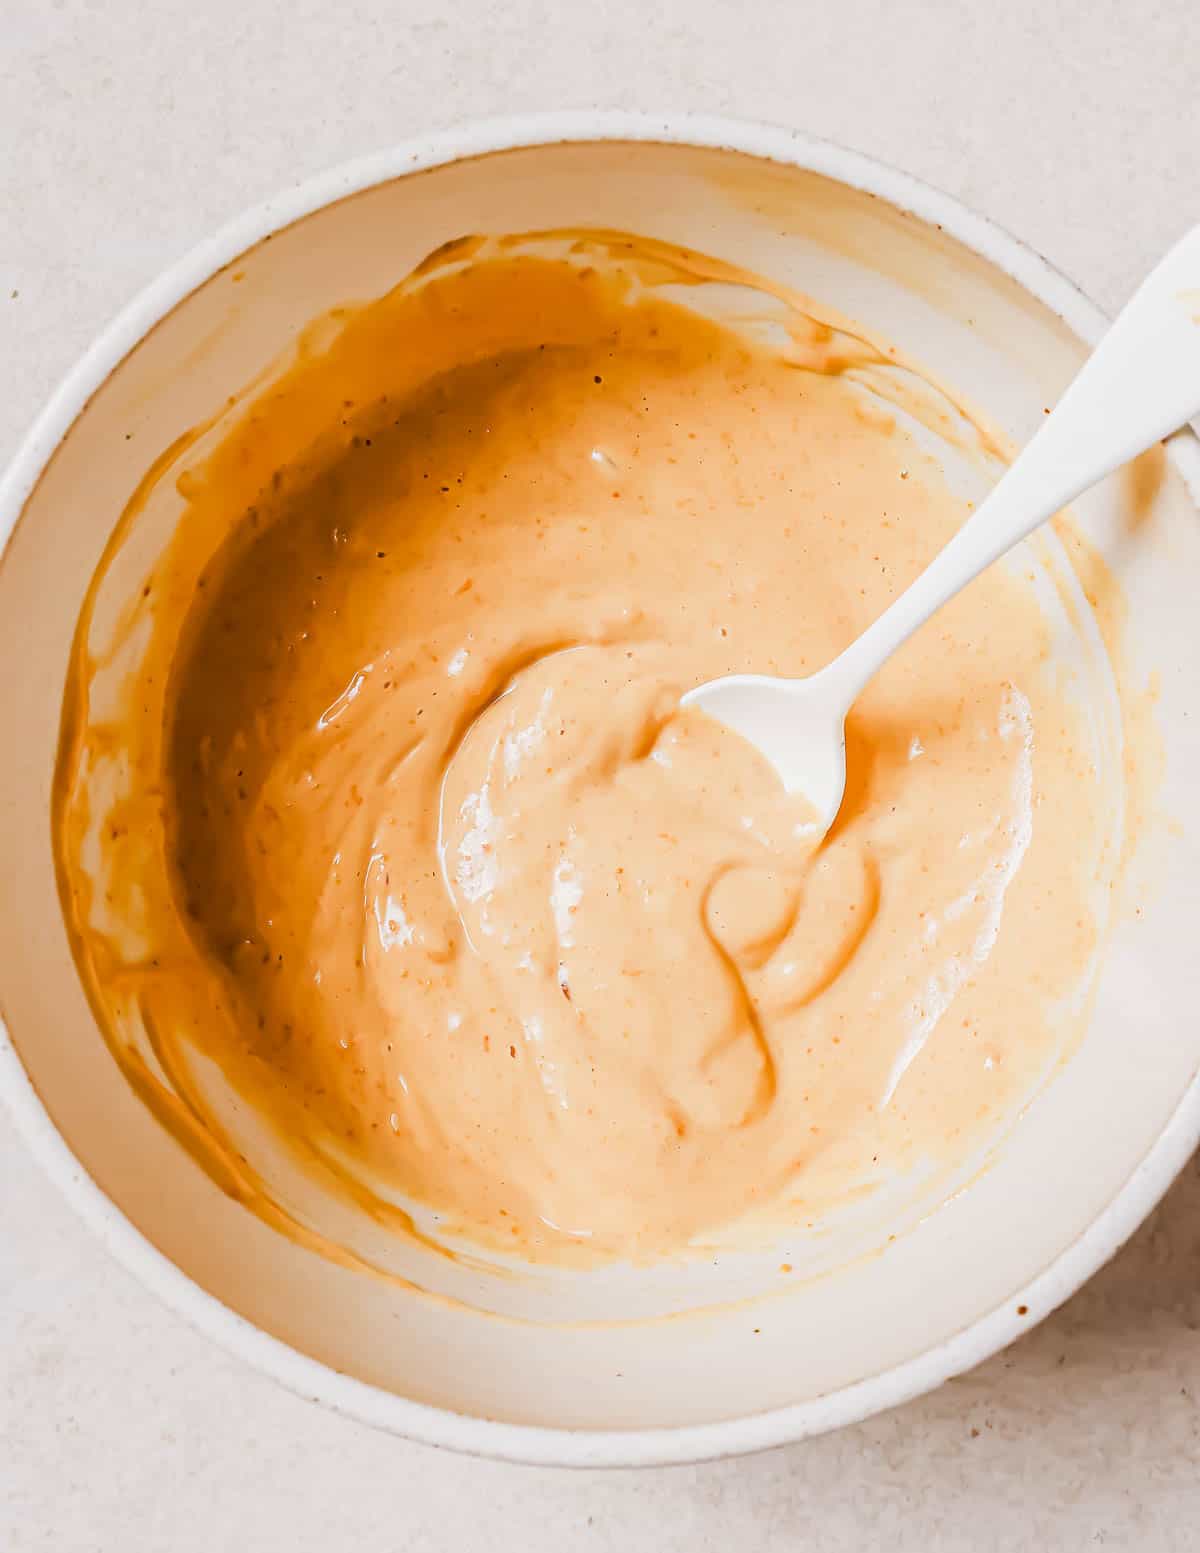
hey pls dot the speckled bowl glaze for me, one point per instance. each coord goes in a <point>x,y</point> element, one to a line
<point>1092,1154</point>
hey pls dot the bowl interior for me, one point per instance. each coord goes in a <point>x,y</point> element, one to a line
<point>1072,1151</point>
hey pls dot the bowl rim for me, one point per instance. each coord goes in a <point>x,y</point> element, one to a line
<point>309,1377</point>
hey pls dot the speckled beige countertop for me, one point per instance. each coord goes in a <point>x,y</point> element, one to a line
<point>129,132</point>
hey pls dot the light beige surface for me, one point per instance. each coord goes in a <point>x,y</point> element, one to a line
<point>134,145</point>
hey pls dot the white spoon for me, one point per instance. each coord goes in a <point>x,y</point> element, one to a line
<point>1142,383</point>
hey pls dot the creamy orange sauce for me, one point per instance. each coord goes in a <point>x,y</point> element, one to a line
<point>422,853</point>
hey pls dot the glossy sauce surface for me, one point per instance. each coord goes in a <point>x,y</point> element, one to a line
<point>463,903</point>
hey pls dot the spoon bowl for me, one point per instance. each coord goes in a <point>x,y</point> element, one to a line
<point>799,725</point>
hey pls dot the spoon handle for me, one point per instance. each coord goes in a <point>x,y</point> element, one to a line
<point>1142,383</point>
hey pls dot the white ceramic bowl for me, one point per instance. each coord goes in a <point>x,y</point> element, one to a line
<point>1091,1156</point>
